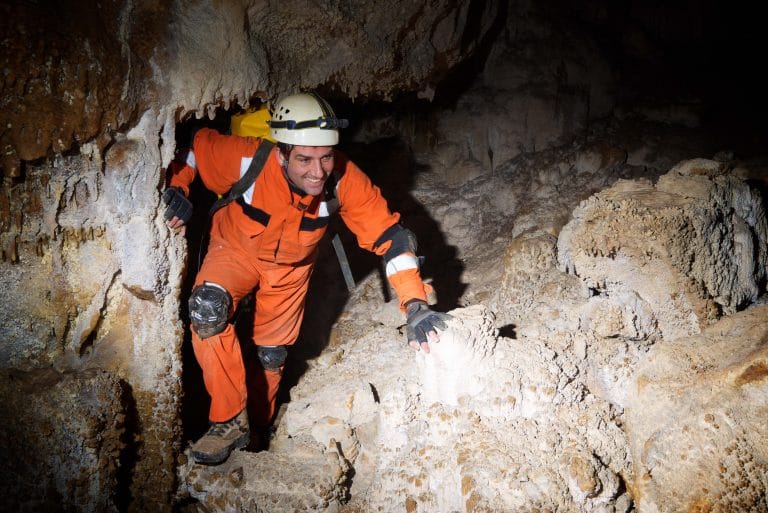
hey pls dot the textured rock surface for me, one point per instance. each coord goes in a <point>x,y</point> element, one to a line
<point>505,113</point>
<point>696,420</point>
<point>691,247</point>
<point>300,476</point>
<point>483,423</point>
<point>365,49</point>
<point>91,281</point>
<point>70,74</point>
<point>61,440</point>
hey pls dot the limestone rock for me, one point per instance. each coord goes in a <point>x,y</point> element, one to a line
<point>474,425</point>
<point>696,419</point>
<point>691,247</point>
<point>300,478</point>
<point>94,284</point>
<point>411,49</point>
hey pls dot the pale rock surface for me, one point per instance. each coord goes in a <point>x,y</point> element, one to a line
<point>299,477</point>
<point>505,112</point>
<point>696,420</point>
<point>690,247</point>
<point>95,277</point>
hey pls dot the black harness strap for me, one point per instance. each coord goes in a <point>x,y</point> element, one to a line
<point>237,190</point>
<point>254,213</point>
<point>248,179</point>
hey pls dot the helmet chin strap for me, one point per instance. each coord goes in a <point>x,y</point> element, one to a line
<point>290,182</point>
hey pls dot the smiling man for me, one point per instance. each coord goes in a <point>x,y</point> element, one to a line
<point>267,241</point>
<point>308,167</point>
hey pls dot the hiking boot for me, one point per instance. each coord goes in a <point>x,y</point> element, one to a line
<point>221,439</point>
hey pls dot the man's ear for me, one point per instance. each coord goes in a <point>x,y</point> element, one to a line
<point>281,159</point>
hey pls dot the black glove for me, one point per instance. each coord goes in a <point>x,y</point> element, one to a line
<point>178,205</point>
<point>421,320</point>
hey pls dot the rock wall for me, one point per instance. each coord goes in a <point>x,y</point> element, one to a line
<point>92,282</point>
<point>63,441</point>
<point>695,418</point>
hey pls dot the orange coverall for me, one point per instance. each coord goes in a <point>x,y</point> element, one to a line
<point>267,240</point>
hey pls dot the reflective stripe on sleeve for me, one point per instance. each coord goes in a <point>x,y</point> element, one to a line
<point>191,162</point>
<point>401,263</point>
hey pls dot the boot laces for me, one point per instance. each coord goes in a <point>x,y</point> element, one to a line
<point>221,428</point>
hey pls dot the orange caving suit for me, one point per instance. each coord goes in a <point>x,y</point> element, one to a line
<point>267,240</point>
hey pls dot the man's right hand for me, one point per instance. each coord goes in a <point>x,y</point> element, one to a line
<point>178,210</point>
<point>423,324</point>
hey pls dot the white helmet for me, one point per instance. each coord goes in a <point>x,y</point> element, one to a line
<point>306,120</point>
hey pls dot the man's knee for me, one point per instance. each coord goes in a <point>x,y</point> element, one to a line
<point>209,308</point>
<point>272,357</point>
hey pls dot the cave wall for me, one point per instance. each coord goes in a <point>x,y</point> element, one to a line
<point>93,278</point>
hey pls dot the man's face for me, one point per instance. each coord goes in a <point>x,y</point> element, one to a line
<point>309,167</point>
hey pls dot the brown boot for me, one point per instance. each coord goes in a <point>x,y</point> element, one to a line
<point>221,439</point>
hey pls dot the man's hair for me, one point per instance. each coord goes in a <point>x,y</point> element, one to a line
<point>285,149</point>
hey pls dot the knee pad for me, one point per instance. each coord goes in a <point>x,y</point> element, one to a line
<point>209,308</point>
<point>272,357</point>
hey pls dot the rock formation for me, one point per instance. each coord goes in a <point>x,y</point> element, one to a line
<point>594,405</point>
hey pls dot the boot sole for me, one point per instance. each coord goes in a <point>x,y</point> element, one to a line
<point>216,458</point>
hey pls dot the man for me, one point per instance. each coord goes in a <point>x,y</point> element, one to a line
<point>267,241</point>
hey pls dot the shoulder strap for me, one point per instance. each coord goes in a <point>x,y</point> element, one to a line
<point>242,185</point>
<point>330,185</point>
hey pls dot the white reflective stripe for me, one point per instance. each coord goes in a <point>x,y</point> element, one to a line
<point>191,162</point>
<point>245,163</point>
<point>401,263</point>
<point>211,284</point>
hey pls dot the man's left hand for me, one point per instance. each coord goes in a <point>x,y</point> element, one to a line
<point>179,209</point>
<point>422,325</point>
